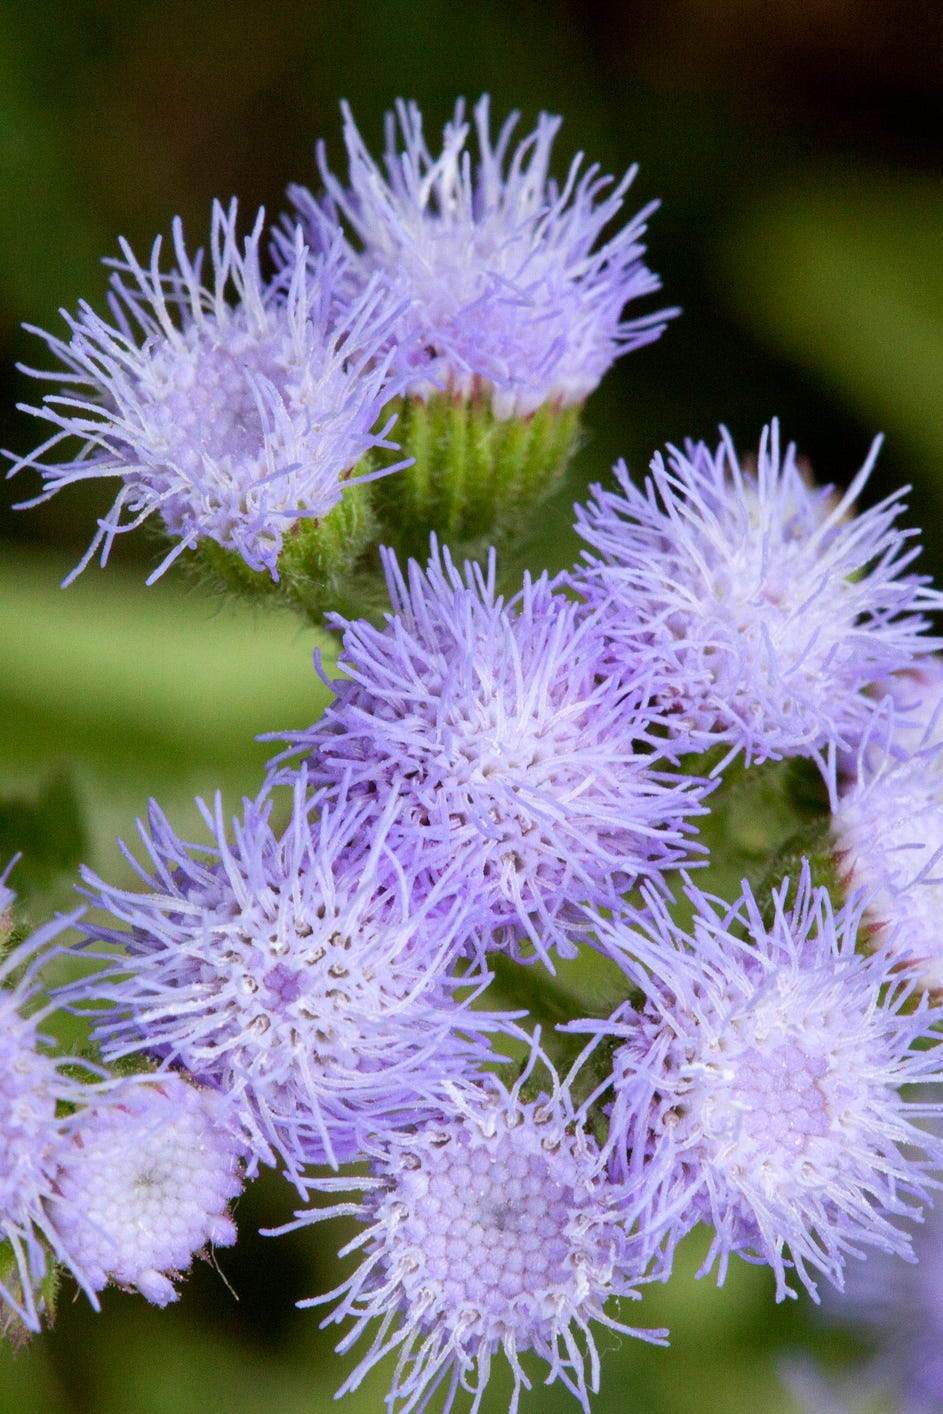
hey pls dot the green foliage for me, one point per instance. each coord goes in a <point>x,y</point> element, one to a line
<point>759,816</point>
<point>47,831</point>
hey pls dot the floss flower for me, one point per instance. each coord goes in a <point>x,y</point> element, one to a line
<point>888,834</point>
<point>909,721</point>
<point>775,608</point>
<point>507,288</point>
<point>515,756</point>
<point>35,1084</point>
<point>513,310</point>
<point>899,1307</point>
<point>758,1089</point>
<point>293,971</point>
<point>143,1182</point>
<point>240,415</point>
<point>488,1228</point>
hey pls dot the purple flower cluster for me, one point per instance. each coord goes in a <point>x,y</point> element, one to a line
<point>238,407</point>
<point>246,407</point>
<point>297,971</point>
<point>888,822</point>
<point>143,1182</point>
<point>758,1087</point>
<point>489,1227</point>
<point>774,608</point>
<point>897,1307</point>
<point>503,776</point>
<point>33,1084</point>
<point>333,979</point>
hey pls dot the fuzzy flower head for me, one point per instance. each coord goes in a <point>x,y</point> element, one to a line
<point>759,1088</point>
<point>509,287</point>
<point>230,407</point>
<point>898,1306</point>
<point>775,607</point>
<point>143,1183</point>
<point>909,720</point>
<point>35,1084</point>
<point>488,1228</point>
<point>888,833</point>
<point>513,752</point>
<point>290,970</point>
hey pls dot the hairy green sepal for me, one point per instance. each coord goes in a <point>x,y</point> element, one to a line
<point>12,1329</point>
<point>475,481</point>
<point>319,567</point>
<point>476,478</point>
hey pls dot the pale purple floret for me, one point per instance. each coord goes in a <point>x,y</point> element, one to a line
<point>515,755</point>
<point>143,1183</point>
<point>293,970</point>
<point>489,1228</point>
<point>898,1307</point>
<point>887,827</point>
<point>774,606</point>
<point>35,1084</point>
<point>758,1089</point>
<point>229,406</point>
<point>511,290</point>
<point>909,721</point>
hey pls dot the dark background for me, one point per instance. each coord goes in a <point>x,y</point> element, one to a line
<point>797,151</point>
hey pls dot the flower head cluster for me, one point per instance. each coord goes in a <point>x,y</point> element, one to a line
<point>513,751</point>
<point>775,608</point>
<point>492,774</point>
<point>488,1228</point>
<point>142,1183</point>
<point>508,289</point>
<point>293,970</point>
<point>759,1088</point>
<point>230,407</point>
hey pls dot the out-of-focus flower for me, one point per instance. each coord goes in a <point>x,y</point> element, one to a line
<point>37,1090</point>
<point>898,1307</point>
<point>888,833</point>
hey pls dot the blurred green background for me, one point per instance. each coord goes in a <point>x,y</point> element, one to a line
<point>797,151</point>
